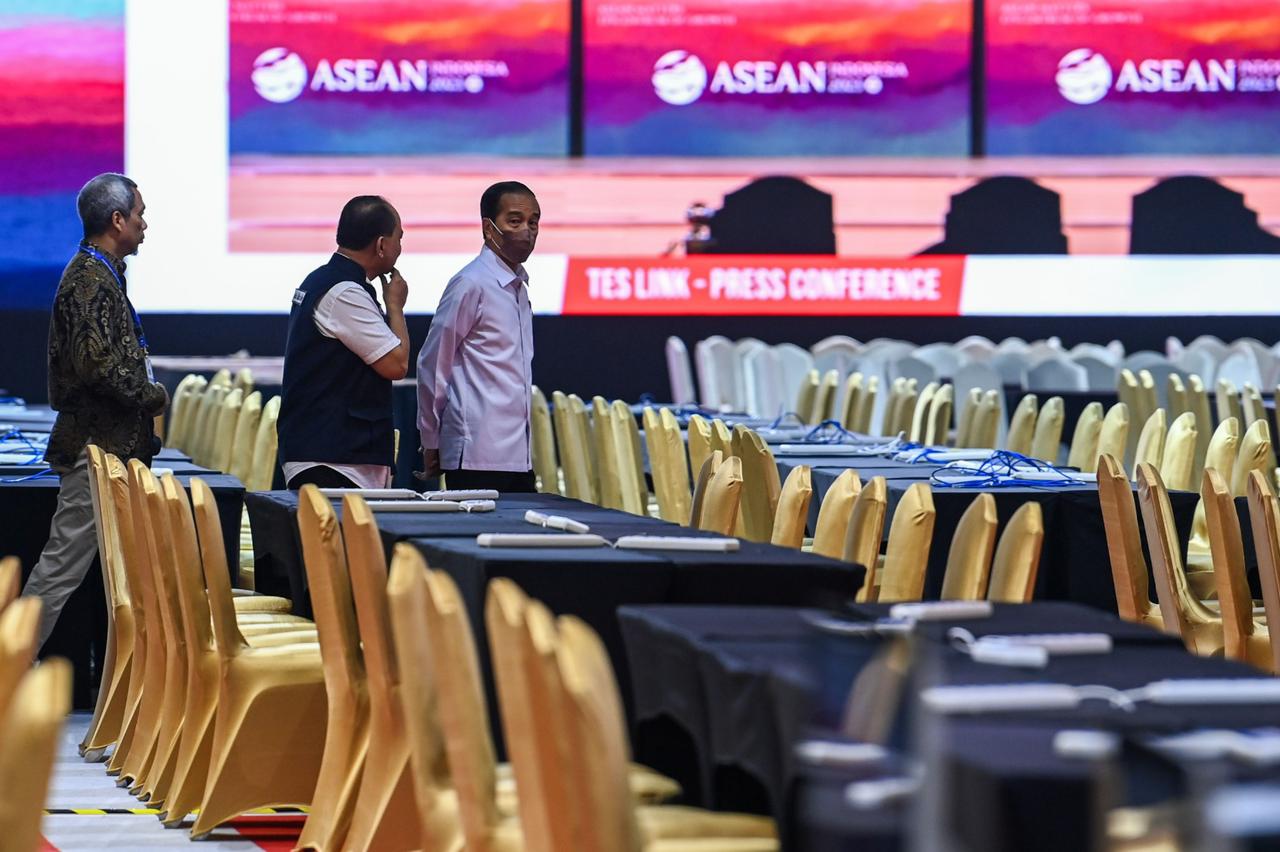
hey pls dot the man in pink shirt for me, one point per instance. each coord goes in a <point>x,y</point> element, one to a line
<point>475,370</point>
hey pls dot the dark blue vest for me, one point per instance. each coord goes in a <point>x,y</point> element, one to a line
<point>334,407</point>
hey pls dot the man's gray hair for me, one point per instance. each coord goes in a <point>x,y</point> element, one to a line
<point>102,197</point>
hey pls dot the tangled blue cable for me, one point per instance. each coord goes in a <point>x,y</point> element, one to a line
<point>16,436</point>
<point>1000,471</point>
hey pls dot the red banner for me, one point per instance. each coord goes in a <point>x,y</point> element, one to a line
<point>765,285</point>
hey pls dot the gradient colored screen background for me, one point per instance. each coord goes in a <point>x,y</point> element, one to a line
<point>61,123</point>
<point>525,113</point>
<point>926,113</point>
<point>1026,114</point>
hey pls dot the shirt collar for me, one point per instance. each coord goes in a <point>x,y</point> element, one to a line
<point>501,272</point>
<point>115,261</point>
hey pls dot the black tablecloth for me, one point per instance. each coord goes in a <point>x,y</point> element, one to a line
<point>28,507</point>
<point>1074,564</point>
<point>590,583</point>
<point>740,685</point>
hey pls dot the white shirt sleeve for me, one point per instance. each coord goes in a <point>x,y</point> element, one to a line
<point>348,313</point>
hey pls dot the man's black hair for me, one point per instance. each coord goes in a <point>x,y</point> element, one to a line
<point>492,198</point>
<point>363,220</point>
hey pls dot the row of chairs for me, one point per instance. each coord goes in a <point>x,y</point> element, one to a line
<point>34,703</point>
<point>223,424</point>
<point>1234,625</point>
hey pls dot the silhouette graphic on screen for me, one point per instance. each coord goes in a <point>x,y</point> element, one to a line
<point>1003,215</point>
<point>774,215</point>
<point>1196,215</point>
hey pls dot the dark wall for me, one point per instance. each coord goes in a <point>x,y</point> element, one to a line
<point>623,357</point>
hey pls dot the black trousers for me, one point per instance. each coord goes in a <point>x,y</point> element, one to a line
<point>324,477</point>
<point>503,481</point>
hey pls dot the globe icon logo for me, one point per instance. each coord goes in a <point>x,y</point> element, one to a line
<point>1084,77</point>
<point>279,75</point>
<point>679,78</point>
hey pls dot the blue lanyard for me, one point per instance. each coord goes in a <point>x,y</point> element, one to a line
<point>111,267</point>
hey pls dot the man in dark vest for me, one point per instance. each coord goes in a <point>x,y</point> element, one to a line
<point>343,353</point>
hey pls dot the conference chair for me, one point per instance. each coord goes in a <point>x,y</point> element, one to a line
<point>172,515</point>
<point>972,546</point>
<point>1129,572</point>
<point>866,532</point>
<point>721,436</point>
<point>1128,393</point>
<point>187,415</point>
<point>543,443</point>
<point>265,446</point>
<point>1254,454</point>
<point>1228,401</point>
<point>1181,612</point>
<point>1046,441</point>
<point>572,445</point>
<point>807,396</point>
<point>835,514</point>
<point>1221,456</point>
<point>792,513</point>
<point>939,424</point>
<point>919,416</point>
<point>240,461</point>
<point>29,737</point>
<point>1178,460</point>
<point>761,485</point>
<point>700,447</point>
<point>986,422</point>
<point>824,402</point>
<point>108,714</point>
<point>626,436</point>
<point>893,407</point>
<point>679,372</point>
<point>853,391</point>
<point>1150,446</point>
<point>207,422</point>
<point>1113,439</point>
<point>1022,426</point>
<point>224,430</point>
<point>243,381</point>
<point>1148,395</point>
<point>385,812</point>
<point>1264,518</point>
<point>965,417</point>
<point>867,406</point>
<point>597,772</point>
<point>1176,391</point>
<point>263,694</point>
<point>580,418</point>
<point>1083,452</point>
<point>345,679</point>
<point>10,580</point>
<point>907,552</point>
<point>1254,410</point>
<point>1243,640</point>
<point>719,510</point>
<point>19,630</point>
<point>1017,559</point>
<point>608,462</point>
<point>439,807</point>
<point>522,639</point>
<point>668,465</point>
<point>701,483</point>
<point>1198,404</point>
<point>151,782</point>
<point>178,409</point>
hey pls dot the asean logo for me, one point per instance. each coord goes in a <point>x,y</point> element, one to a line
<point>279,75</point>
<point>679,77</point>
<point>1084,77</point>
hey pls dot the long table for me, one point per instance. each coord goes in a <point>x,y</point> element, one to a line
<point>590,583</point>
<point>735,688</point>
<point>1074,565</point>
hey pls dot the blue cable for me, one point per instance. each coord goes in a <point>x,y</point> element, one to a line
<point>999,471</point>
<point>46,472</point>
